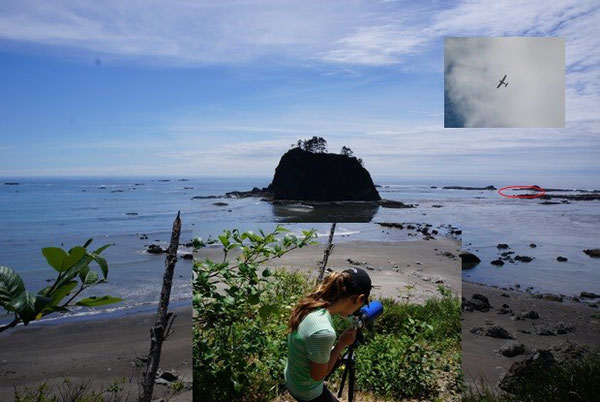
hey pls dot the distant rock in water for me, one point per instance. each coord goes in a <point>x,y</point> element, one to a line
<point>11,183</point>
<point>303,175</point>
<point>594,252</point>
<point>469,188</point>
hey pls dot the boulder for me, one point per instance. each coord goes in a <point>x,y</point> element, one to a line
<point>502,246</point>
<point>523,258</point>
<point>594,252</point>
<point>512,348</point>
<point>468,188</point>
<point>481,297</point>
<point>469,260</point>
<point>303,175</point>
<point>589,295</point>
<point>560,258</point>
<point>529,314</point>
<point>523,371</point>
<point>497,262</point>
<point>155,249</point>
<point>494,331</point>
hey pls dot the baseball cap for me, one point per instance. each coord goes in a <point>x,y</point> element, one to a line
<point>359,282</point>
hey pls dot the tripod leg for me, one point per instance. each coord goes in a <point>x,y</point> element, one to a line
<point>344,375</point>
<point>351,380</point>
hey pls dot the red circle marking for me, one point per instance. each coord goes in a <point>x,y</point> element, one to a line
<point>540,192</point>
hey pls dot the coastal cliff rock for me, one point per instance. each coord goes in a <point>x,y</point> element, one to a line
<point>303,175</point>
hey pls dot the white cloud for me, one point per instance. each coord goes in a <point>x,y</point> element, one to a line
<point>333,36</point>
<point>375,45</point>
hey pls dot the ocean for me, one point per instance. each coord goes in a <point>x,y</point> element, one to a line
<point>64,212</point>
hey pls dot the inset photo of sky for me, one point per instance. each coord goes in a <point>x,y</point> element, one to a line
<point>507,82</point>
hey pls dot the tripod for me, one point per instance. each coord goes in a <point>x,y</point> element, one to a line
<point>349,361</point>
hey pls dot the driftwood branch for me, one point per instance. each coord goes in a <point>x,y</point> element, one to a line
<point>328,250</point>
<point>162,327</point>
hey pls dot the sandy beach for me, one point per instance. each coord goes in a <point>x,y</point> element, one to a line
<point>408,271</point>
<point>480,353</point>
<point>98,351</point>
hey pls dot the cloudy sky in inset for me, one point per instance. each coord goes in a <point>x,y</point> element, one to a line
<point>535,74</point>
<point>223,88</point>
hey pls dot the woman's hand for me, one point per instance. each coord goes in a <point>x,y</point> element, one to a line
<point>347,337</point>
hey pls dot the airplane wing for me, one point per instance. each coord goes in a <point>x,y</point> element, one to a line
<point>501,82</point>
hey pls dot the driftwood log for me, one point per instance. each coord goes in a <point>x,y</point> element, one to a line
<point>328,250</point>
<point>164,319</point>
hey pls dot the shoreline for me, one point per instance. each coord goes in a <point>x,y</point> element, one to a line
<point>405,270</point>
<point>98,351</point>
<point>102,315</point>
<point>483,360</point>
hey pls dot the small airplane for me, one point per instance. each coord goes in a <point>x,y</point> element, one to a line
<point>502,82</point>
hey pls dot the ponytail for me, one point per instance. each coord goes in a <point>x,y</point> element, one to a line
<point>332,289</point>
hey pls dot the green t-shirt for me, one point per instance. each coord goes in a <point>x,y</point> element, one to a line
<point>312,341</point>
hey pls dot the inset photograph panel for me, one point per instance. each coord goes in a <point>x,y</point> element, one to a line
<point>276,306</point>
<point>504,82</point>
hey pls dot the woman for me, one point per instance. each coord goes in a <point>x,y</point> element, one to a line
<point>311,354</point>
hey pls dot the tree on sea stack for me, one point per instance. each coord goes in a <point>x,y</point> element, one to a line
<point>315,145</point>
<point>347,152</point>
<point>74,276</point>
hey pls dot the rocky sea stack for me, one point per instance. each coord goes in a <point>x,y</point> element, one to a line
<point>319,176</point>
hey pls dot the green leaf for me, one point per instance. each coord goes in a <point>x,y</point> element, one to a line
<point>28,305</point>
<point>55,257</point>
<point>266,272</point>
<point>84,271</point>
<point>75,270</point>
<point>253,298</point>
<point>102,264</point>
<point>101,249</point>
<point>224,240</point>
<point>73,257</point>
<point>90,278</point>
<point>11,285</point>
<point>61,292</point>
<point>267,310</point>
<point>98,301</point>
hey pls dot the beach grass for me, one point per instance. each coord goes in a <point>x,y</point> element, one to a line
<point>69,391</point>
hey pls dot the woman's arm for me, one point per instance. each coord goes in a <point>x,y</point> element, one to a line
<point>319,371</point>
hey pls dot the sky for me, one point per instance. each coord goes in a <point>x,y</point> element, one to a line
<point>478,72</point>
<point>222,89</point>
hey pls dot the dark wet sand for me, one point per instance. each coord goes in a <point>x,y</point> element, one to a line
<point>99,350</point>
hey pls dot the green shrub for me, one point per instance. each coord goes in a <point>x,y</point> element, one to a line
<point>396,367</point>
<point>240,328</point>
